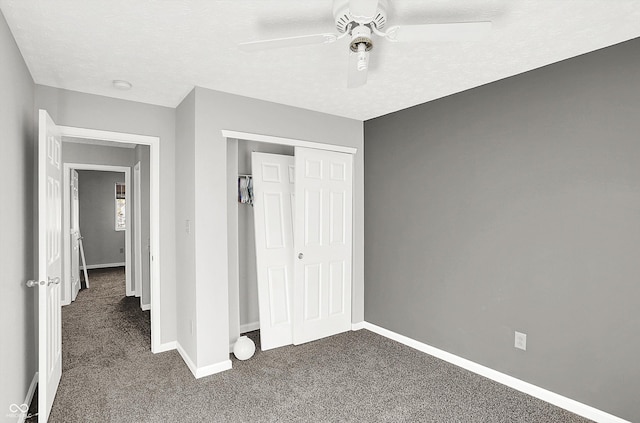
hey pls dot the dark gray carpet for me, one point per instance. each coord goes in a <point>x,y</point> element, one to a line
<point>110,375</point>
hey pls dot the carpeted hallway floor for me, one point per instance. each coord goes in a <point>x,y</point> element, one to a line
<point>110,375</point>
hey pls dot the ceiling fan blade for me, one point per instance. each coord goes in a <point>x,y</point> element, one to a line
<point>304,40</point>
<point>460,31</point>
<point>363,11</point>
<point>358,69</point>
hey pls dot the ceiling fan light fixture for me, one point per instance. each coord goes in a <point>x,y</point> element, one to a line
<point>361,35</point>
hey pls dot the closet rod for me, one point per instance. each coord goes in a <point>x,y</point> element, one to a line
<point>243,175</point>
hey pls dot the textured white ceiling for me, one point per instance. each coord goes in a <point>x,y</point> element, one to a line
<point>165,47</point>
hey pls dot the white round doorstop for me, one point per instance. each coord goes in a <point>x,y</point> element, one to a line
<point>244,348</point>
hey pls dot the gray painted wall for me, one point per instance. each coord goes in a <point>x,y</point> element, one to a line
<point>203,263</point>
<point>18,354</point>
<point>82,110</point>
<point>248,282</point>
<point>185,241</point>
<point>102,243</point>
<point>74,152</point>
<point>516,206</point>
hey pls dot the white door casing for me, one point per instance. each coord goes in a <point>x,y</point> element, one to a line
<point>74,236</point>
<point>273,185</point>
<point>137,235</point>
<point>49,263</point>
<point>323,243</point>
<point>153,142</point>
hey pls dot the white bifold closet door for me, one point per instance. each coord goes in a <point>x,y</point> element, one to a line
<point>322,239</point>
<point>303,222</point>
<point>273,178</point>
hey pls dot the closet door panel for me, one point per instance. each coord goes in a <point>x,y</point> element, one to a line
<point>273,196</point>
<point>279,308</point>
<point>336,287</point>
<point>323,244</point>
<point>312,287</point>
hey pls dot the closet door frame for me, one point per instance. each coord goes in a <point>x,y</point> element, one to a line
<point>232,213</point>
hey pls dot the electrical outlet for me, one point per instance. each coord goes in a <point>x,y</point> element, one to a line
<point>187,226</point>
<point>121,250</point>
<point>521,341</point>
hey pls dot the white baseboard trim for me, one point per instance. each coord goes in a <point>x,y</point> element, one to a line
<point>145,307</point>
<point>249,327</point>
<point>29,397</point>
<point>199,372</point>
<point>213,369</point>
<point>358,326</point>
<point>103,266</point>
<point>510,381</point>
<point>167,346</point>
<point>187,360</point>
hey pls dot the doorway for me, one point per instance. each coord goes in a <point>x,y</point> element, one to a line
<point>51,251</point>
<point>119,139</point>
<point>105,243</point>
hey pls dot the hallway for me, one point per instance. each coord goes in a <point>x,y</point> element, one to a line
<point>103,327</point>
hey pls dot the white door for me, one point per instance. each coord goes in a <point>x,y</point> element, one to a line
<point>273,190</point>
<point>49,263</point>
<point>74,236</point>
<point>323,240</point>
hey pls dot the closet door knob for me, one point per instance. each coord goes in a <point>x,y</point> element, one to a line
<point>300,256</point>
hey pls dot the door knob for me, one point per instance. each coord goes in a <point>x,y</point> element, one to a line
<point>32,283</point>
<point>300,256</point>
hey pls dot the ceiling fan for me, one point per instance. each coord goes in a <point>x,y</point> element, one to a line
<point>361,20</point>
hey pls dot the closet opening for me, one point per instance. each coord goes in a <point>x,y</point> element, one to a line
<point>245,317</point>
<point>243,267</point>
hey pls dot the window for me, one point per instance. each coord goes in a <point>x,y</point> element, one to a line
<point>120,208</point>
